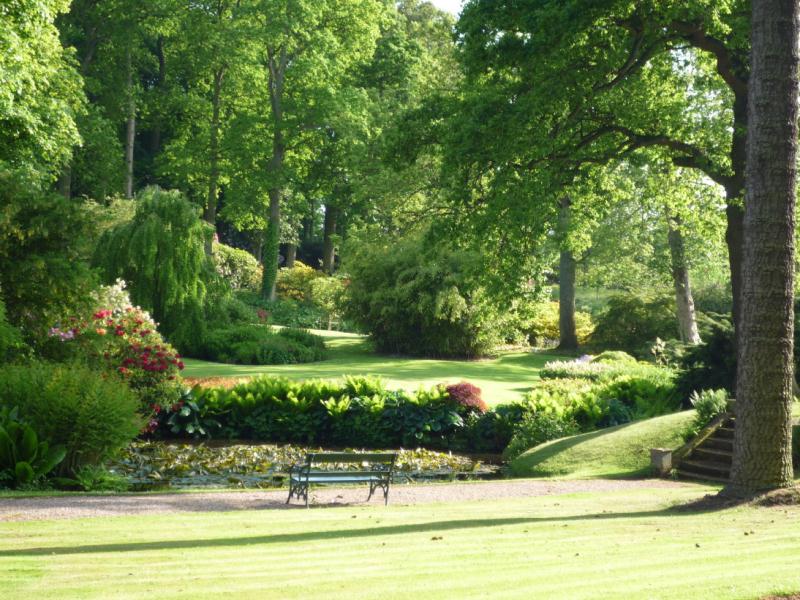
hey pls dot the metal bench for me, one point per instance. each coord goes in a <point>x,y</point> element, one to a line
<point>326,468</point>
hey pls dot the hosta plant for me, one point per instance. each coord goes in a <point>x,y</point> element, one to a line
<point>23,458</point>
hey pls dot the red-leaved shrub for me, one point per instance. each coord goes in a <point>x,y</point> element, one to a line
<point>467,395</point>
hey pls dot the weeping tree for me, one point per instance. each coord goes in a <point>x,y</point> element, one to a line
<point>160,253</point>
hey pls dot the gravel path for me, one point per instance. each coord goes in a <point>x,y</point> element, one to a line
<point>73,507</point>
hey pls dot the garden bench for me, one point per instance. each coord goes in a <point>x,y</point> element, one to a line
<point>325,468</point>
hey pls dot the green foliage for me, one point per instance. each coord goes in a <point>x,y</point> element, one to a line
<point>188,418</point>
<point>328,293</point>
<point>357,411</point>
<point>11,344</point>
<point>710,365</point>
<point>238,268</point>
<point>630,321</point>
<point>124,341</point>
<point>43,240</point>
<point>23,458</point>
<point>420,300</point>
<point>41,90</point>
<point>543,328</point>
<point>536,429</point>
<point>708,404</point>
<point>259,345</point>
<point>160,253</point>
<point>91,414</point>
<point>614,356</point>
<point>603,394</point>
<point>296,283</point>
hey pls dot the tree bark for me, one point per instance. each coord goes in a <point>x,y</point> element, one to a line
<point>687,321</point>
<point>291,255</point>
<point>130,134</point>
<point>277,71</point>
<point>155,133</point>
<point>328,247</point>
<point>734,211</point>
<point>568,336</point>
<point>762,446</point>
<point>210,212</point>
<point>65,181</point>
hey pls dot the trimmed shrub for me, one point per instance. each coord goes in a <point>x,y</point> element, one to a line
<point>259,345</point>
<point>123,340</point>
<point>630,322</point>
<point>92,415</point>
<point>614,356</point>
<point>295,283</point>
<point>543,328</point>
<point>237,267</point>
<point>468,396</point>
<point>603,394</point>
<point>423,300</point>
<point>536,429</point>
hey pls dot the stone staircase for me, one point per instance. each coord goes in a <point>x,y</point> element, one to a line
<point>709,458</point>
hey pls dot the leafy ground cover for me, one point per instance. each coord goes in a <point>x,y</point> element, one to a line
<point>622,451</point>
<point>148,465</point>
<point>584,545</point>
<point>502,379</point>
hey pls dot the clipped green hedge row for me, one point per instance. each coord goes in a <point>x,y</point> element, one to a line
<point>359,411</point>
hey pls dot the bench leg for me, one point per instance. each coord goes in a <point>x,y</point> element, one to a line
<point>386,495</point>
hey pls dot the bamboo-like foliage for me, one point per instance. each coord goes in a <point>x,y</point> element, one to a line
<point>160,253</point>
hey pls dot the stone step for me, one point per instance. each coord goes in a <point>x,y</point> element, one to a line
<point>716,443</point>
<point>706,467</point>
<point>724,432</point>
<point>689,474</point>
<point>706,453</point>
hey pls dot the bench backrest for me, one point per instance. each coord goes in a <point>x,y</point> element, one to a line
<point>386,458</point>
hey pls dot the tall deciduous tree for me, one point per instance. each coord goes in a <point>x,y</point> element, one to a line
<point>587,82</point>
<point>306,49</point>
<point>762,457</point>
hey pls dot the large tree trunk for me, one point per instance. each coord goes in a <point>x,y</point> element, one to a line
<point>210,213</point>
<point>762,446</point>
<point>65,182</point>
<point>277,71</point>
<point>734,212</point>
<point>155,132</point>
<point>291,255</point>
<point>687,322</point>
<point>328,247</point>
<point>130,134</point>
<point>568,336</point>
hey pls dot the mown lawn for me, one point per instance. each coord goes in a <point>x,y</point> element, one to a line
<point>503,379</point>
<point>587,545</point>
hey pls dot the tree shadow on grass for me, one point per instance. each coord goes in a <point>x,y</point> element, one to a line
<point>293,538</point>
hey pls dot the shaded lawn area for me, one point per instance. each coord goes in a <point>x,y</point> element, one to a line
<point>588,545</point>
<point>502,379</point>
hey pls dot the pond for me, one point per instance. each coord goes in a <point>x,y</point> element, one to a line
<point>150,465</point>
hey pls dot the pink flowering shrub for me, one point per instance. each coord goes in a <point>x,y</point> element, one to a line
<point>124,339</point>
<point>467,396</point>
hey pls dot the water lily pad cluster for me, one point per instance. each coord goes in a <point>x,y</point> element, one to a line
<point>153,464</point>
